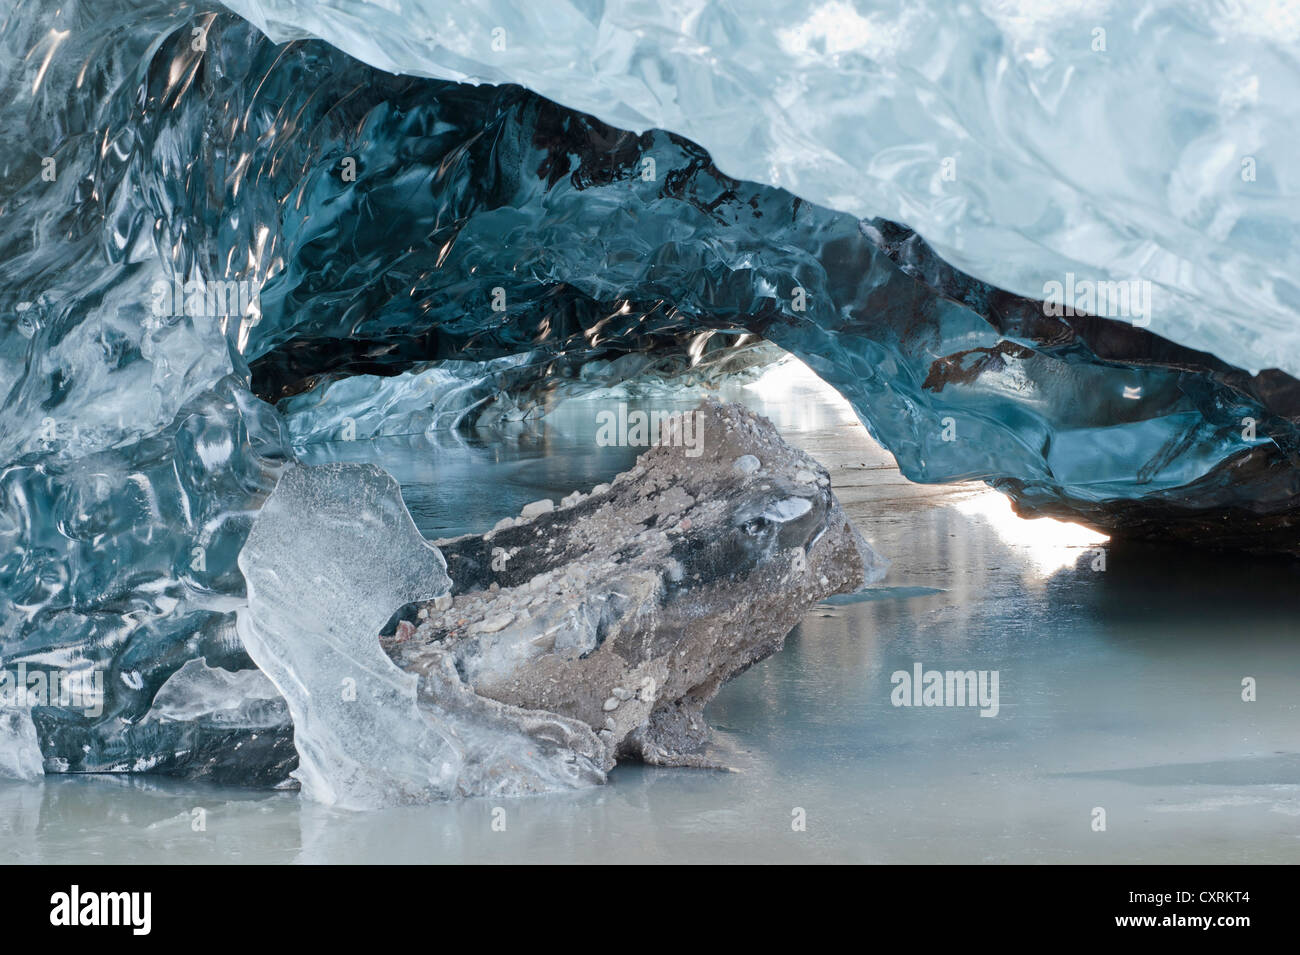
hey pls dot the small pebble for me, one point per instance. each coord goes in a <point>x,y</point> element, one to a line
<point>492,624</point>
<point>537,509</point>
<point>611,704</point>
<point>805,477</point>
<point>746,464</point>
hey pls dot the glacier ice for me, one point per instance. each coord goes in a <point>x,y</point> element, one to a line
<point>228,726</point>
<point>444,396</point>
<point>390,227</point>
<point>20,750</point>
<point>197,691</point>
<point>333,554</point>
<point>429,397</point>
<point>486,222</point>
<point>1023,138</point>
<point>124,560</point>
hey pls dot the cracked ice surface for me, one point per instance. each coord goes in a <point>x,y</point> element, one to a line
<point>1006,132</point>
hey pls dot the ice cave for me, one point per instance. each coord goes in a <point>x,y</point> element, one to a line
<point>406,403</point>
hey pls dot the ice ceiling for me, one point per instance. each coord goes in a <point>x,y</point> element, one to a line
<point>745,178</point>
<point>1022,138</point>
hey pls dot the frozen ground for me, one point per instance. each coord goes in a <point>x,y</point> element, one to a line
<point>1119,689</point>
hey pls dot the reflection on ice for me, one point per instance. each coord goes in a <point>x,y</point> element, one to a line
<point>1048,545</point>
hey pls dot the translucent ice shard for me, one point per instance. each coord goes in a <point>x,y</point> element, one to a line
<point>227,726</point>
<point>198,691</point>
<point>1025,139</point>
<point>333,555</point>
<point>432,397</point>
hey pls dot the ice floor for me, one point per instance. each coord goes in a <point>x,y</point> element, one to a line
<point>1119,689</point>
